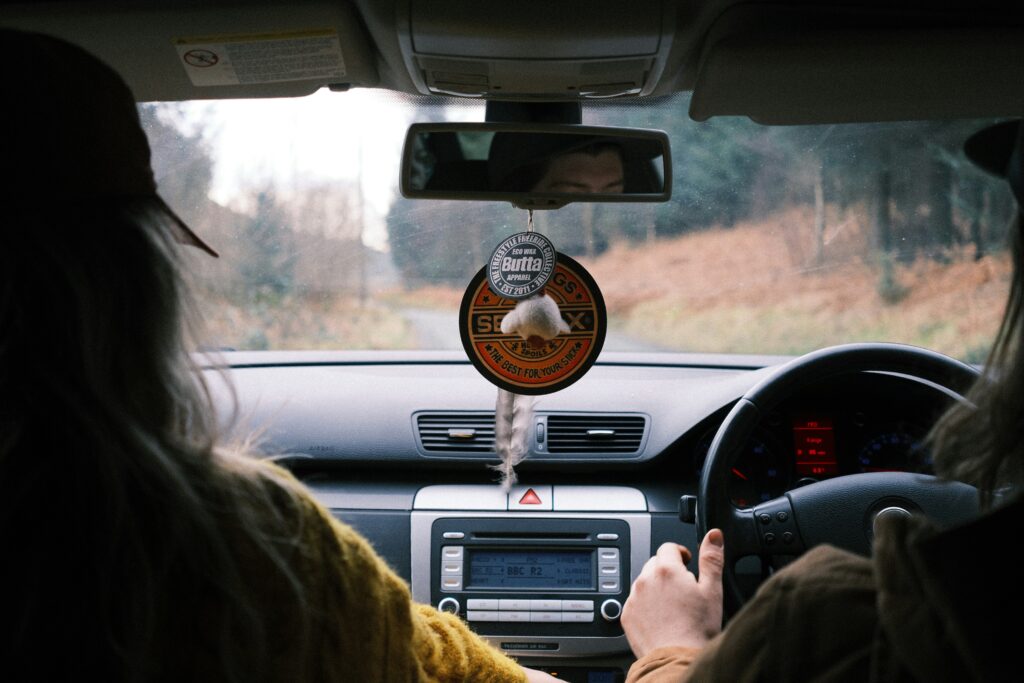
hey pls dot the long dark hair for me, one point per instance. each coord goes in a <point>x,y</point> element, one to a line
<point>981,441</point>
<point>123,524</point>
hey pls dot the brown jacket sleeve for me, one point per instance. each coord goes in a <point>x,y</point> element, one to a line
<point>814,620</point>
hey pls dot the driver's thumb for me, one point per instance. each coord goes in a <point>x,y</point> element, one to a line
<point>711,560</point>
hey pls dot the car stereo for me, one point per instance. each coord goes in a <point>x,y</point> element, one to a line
<point>550,584</point>
<point>562,576</point>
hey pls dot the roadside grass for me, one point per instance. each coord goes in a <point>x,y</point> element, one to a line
<point>307,322</point>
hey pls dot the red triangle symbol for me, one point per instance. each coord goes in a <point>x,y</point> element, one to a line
<point>530,498</point>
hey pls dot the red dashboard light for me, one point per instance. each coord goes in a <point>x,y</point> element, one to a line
<point>815,446</point>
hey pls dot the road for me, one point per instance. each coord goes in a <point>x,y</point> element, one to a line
<point>440,330</point>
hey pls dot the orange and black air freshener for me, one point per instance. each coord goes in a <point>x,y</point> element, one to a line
<point>522,367</point>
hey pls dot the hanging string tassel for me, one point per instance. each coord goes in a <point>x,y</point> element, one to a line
<point>513,417</point>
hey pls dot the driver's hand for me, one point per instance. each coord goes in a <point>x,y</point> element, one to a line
<point>668,606</point>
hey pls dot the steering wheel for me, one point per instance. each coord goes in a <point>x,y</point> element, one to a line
<point>839,511</point>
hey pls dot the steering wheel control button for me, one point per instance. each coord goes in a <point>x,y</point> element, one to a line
<point>777,527</point>
<point>482,604</point>
<point>519,366</point>
<point>521,265</point>
<point>578,605</point>
<point>449,605</point>
<point>611,610</point>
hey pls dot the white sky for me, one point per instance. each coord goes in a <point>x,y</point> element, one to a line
<point>290,141</point>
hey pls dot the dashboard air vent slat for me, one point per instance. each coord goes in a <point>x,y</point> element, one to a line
<point>456,432</point>
<point>595,433</point>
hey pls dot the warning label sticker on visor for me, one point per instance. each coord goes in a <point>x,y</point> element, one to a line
<point>515,365</point>
<point>236,59</point>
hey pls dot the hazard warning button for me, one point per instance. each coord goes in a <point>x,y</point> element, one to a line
<point>530,498</point>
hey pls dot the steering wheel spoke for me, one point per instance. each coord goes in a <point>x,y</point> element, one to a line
<point>777,529</point>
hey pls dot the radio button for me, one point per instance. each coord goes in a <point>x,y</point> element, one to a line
<point>482,603</point>
<point>479,615</point>
<point>608,554</point>
<point>451,552</point>
<point>546,605</point>
<point>611,610</point>
<point>513,616</point>
<point>609,585</point>
<point>458,534</point>
<point>523,605</point>
<point>546,617</point>
<point>449,605</point>
<point>451,583</point>
<point>608,569</point>
<point>602,537</point>
<point>578,605</point>
<point>577,617</point>
<point>451,568</point>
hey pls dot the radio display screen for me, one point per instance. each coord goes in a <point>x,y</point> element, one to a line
<point>532,569</point>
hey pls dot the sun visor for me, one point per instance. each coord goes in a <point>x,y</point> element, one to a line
<point>571,49</point>
<point>798,75</point>
<point>178,51</point>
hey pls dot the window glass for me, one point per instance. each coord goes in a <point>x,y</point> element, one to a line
<point>777,240</point>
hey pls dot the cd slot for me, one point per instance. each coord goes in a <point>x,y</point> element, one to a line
<point>528,536</point>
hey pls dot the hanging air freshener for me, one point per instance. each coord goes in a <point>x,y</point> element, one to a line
<point>532,322</point>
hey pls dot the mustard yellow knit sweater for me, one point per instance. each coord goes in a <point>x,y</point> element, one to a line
<point>367,627</point>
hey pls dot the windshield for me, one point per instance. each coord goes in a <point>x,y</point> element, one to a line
<point>777,240</point>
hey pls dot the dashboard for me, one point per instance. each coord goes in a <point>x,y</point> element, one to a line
<point>399,447</point>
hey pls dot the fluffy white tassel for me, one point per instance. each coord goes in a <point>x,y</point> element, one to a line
<point>536,320</point>
<point>513,417</point>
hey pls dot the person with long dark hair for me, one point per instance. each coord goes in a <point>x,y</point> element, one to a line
<point>930,605</point>
<point>136,546</point>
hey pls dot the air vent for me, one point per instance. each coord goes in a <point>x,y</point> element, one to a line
<point>595,433</point>
<point>456,432</point>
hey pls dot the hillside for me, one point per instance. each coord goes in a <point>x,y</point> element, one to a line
<point>756,287</point>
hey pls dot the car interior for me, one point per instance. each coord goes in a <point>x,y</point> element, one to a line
<point>807,276</point>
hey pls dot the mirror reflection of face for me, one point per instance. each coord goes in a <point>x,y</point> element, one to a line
<point>583,172</point>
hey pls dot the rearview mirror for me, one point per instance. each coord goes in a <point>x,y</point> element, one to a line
<point>535,166</point>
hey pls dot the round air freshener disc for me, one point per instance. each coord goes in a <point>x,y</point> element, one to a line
<point>515,365</point>
<point>521,265</point>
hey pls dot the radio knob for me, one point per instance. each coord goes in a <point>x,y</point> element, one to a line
<point>610,609</point>
<point>449,605</point>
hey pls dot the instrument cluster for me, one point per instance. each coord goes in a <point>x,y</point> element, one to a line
<point>824,434</point>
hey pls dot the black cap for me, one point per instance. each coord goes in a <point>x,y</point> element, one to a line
<point>999,149</point>
<point>71,129</point>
